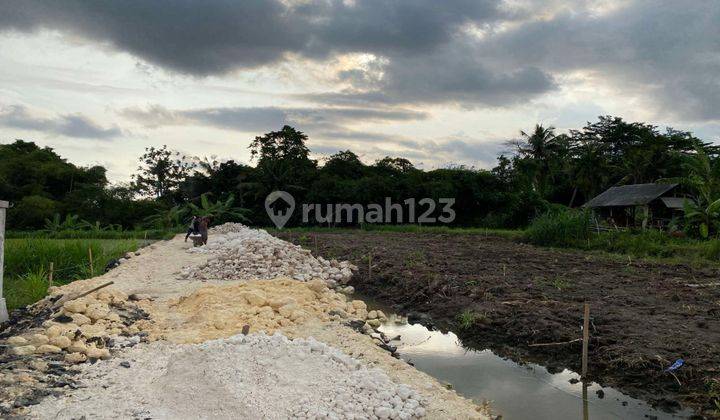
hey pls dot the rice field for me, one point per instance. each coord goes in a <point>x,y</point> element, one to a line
<point>27,264</point>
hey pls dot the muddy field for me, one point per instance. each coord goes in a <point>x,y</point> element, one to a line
<point>644,315</point>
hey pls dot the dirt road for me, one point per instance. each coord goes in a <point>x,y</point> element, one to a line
<point>644,315</point>
<point>144,381</point>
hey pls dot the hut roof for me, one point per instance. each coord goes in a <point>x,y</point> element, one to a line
<point>674,202</point>
<point>630,195</point>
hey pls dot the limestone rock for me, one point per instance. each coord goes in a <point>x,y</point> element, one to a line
<point>75,306</point>
<point>60,341</point>
<point>17,341</point>
<point>23,350</point>
<point>47,349</point>
<point>38,339</point>
<point>75,358</point>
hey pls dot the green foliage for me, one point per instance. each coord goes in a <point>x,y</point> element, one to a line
<point>466,319</point>
<point>32,211</point>
<point>220,211</point>
<point>168,219</point>
<point>26,289</point>
<point>559,228</point>
<point>27,261</point>
<point>559,283</point>
<point>71,222</point>
<point>547,169</point>
<point>161,171</point>
<point>94,234</point>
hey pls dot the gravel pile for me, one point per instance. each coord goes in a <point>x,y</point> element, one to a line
<point>218,311</point>
<point>241,253</point>
<point>42,344</point>
<point>79,329</point>
<point>254,376</point>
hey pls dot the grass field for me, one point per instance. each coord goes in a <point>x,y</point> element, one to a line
<point>506,233</point>
<point>27,263</point>
<point>95,234</point>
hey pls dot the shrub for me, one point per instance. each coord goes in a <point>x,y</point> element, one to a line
<point>562,228</point>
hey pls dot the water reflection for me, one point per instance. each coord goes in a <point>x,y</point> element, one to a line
<point>515,391</point>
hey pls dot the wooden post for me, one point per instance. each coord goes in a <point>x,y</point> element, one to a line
<point>316,247</point>
<point>3,306</point>
<point>92,269</point>
<point>586,339</point>
<point>50,274</point>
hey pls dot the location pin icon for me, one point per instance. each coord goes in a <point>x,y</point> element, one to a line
<point>279,205</point>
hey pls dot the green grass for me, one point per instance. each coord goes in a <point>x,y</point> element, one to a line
<point>506,233</point>
<point>572,229</point>
<point>466,319</point>
<point>27,262</point>
<point>565,228</point>
<point>95,234</point>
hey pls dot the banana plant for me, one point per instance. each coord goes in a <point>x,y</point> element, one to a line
<point>219,209</point>
<point>71,222</point>
<point>705,217</point>
<point>167,219</point>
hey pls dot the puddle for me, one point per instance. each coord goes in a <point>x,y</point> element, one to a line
<point>515,391</point>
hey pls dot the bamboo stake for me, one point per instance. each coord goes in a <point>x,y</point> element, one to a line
<point>50,277</point>
<point>586,339</point>
<point>78,296</point>
<point>92,269</point>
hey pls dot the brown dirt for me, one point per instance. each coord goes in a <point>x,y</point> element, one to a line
<point>644,315</point>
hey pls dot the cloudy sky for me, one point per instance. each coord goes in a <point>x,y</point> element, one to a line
<point>439,82</point>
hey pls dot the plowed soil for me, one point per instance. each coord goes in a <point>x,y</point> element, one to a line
<point>644,315</point>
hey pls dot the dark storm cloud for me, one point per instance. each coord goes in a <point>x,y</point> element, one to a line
<point>211,37</point>
<point>214,37</point>
<point>468,52</point>
<point>71,125</point>
<point>667,51</point>
<point>262,119</point>
<point>192,37</point>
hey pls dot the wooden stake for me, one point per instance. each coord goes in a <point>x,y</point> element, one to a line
<point>92,269</point>
<point>67,298</point>
<point>316,247</point>
<point>586,339</point>
<point>50,277</point>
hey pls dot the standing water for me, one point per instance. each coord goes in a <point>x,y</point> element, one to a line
<point>514,391</point>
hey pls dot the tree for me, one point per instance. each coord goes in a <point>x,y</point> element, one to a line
<point>540,150</point>
<point>344,164</point>
<point>161,171</point>
<point>702,213</point>
<point>283,161</point>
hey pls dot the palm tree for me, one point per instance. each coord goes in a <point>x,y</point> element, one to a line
<point>539,147</point>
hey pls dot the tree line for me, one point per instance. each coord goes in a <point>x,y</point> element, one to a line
<point>545,170</point>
